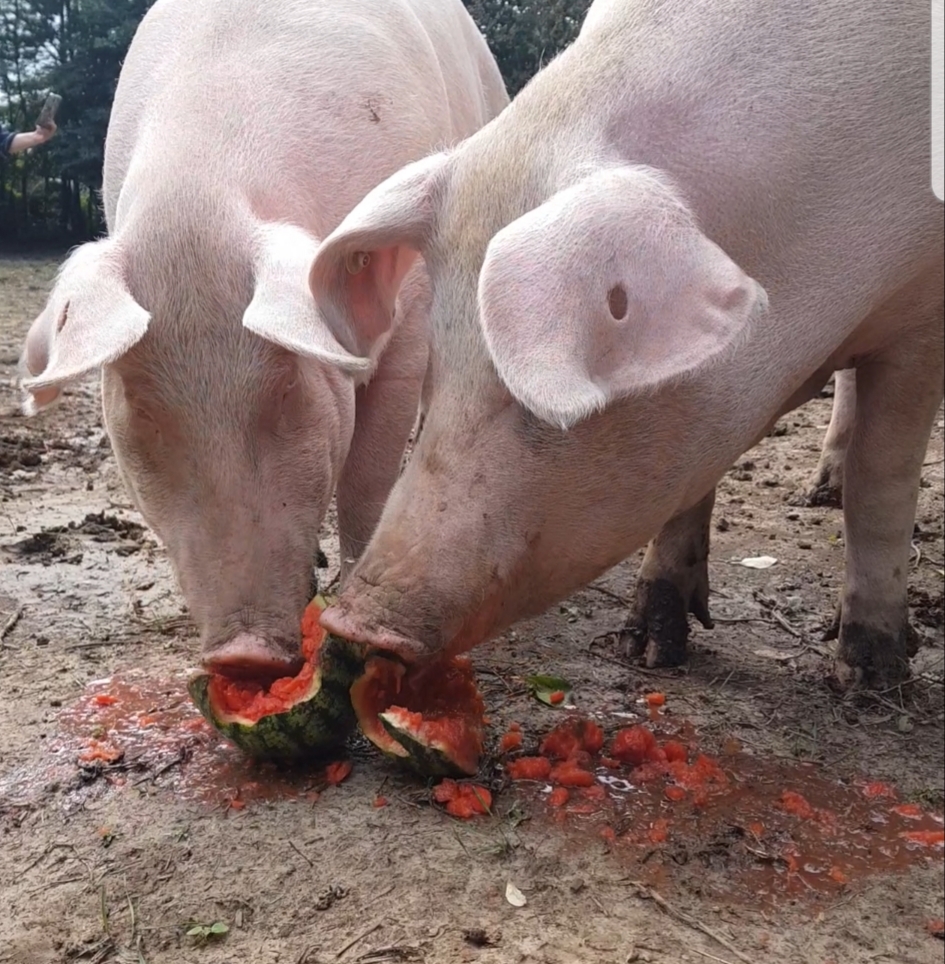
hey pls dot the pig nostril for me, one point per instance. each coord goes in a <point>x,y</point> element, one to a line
<point>617,302</point>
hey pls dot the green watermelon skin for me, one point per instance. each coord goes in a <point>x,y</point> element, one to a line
<point>424,759</point>
<point>311,729</point>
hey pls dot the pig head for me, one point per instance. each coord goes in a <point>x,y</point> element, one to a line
<point>230,444</point>
<point>520,489</point>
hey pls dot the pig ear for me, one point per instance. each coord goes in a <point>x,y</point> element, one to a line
<point>282,310</point>
<point>607,290</point>
<point>357,274</point>
<point>90,319</point>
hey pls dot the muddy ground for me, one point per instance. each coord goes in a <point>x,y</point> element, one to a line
<point>119,862</point>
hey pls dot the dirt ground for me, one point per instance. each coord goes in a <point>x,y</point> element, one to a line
<point>118,863</point>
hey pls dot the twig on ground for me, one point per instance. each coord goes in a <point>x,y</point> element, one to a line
<point>610,595</point>
<point>44,855</point>
<point>366,933</point>
<point>708,956</point>
<point>304,856</point>
<point>776,617</point>
<point>49,884</point>
<point>177,761</point>
<point>782,621</point>
<point>902,710</point>
<point>134,917</point>
<point>103,908</point>
<point>13,619</point>
<point>379,896</point>
<point>646,893</point>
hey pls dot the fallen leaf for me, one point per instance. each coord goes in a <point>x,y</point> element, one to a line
<point>758,562</point>
<point>550,690</point>
<point>514,896</point>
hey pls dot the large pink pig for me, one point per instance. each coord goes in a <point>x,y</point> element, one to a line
<point>241,134</point>
<point>673,235</point>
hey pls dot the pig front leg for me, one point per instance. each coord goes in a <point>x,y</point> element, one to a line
<point>898,392</point>
<point>386,412</point>
<point>826,486</point>
<point>673,582</point>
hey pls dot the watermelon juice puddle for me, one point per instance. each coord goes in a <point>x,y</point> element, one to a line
<point>134,732</point>
<point>775,829</point>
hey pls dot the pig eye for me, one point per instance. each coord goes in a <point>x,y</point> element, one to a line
<point>142,413</point>
<point>289,387</point>
<point>357,261</point>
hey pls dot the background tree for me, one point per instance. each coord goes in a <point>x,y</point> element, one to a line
<point>525,34</point>
<point>76,47</point>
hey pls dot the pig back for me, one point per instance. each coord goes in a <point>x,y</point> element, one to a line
<point>301,106</point>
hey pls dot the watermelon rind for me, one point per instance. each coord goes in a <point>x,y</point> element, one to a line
<point>428,758</point>
<point>312,728</point>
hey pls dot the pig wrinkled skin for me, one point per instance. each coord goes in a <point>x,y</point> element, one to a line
<point>241,134</point>
<point>673,235</point>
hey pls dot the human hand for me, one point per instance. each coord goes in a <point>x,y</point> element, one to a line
<point>43,134</point>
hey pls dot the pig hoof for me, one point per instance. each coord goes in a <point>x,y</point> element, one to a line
<point>250,657</point>
<point>658,628</point>
<point>826,496</point>
<point>874,659</point>
<point>825,490</point>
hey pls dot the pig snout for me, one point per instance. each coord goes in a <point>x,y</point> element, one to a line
<point>250,656</point>
<point>426,618</point>
<point>357,616</point>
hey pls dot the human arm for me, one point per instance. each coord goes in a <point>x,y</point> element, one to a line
<point>28,139</point>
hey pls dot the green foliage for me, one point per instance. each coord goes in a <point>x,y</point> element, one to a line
<point>525,34</point>
<point>202,933</point>
<point>76,47</point>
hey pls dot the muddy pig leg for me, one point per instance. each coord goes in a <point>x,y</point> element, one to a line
<point>826,485</point>
<point>898,392</point>
<point>673,582</point>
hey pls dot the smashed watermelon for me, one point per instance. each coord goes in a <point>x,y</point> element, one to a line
<point>295,718</point>
<point>430,717</point>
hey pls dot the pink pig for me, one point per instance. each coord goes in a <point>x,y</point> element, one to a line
<point>242,132</point>
<point>672,236</point>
